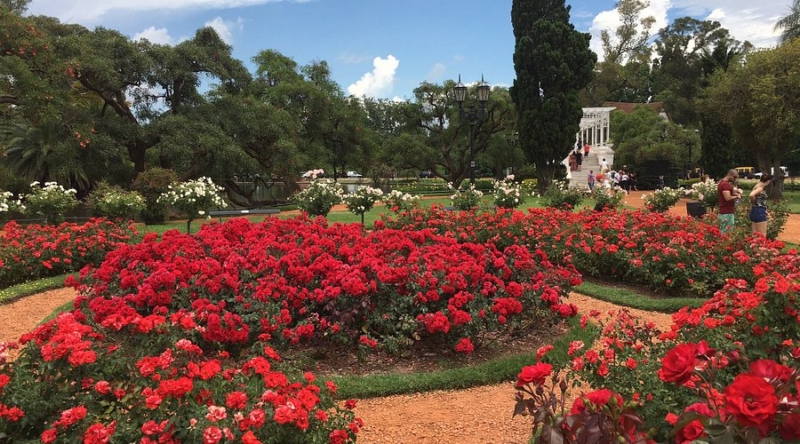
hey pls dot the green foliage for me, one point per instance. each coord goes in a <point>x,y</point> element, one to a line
<point>553,62</point>
<point>51,201</point>
<point>424,185</point>
<point>706,192</point>
<point>151,185</point>
<point>319,197</point>
<point>17,291</point>
<point>560,195</point>
<point>115,203</point>
<point>608,198</point>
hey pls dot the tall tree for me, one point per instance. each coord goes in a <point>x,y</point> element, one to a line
<point>790,23</point>
<point>630,41</point>
<point>553,62</point>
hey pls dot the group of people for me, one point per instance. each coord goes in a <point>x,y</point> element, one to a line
<point>612,179</point>
<point>576,157</point>
<point>729,194</point>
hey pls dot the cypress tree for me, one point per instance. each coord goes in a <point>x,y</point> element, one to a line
<point>553,62</point>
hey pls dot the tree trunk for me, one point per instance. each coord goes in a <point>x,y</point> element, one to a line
<point>544,176</point>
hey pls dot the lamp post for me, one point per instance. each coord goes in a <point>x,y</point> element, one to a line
<point>472,116</point>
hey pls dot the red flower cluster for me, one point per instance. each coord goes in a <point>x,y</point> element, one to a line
<point>37,251</point>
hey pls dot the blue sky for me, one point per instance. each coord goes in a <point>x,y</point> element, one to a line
<point>386,48</point>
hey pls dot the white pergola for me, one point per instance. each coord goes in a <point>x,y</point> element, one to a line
<point>595,126</point>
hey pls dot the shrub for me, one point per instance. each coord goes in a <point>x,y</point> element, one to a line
<point>362,200</point>
<point>706,192</point>
<point>560,195</point>
<point>507,193</point>
<point>151,184</point>
<point>194,198</point>
<point>7,203</point>
<point>608,198</point>
<point>398,201</point>
<point>319,197</point>
<point>36,251</point>
<point>115,203</point>
<point>465,198</point>
<point>51,201</point>
<point>423,186</point>
<point>660,201</point>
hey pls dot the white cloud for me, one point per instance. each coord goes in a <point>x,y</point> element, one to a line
<point>155,35</point>
<point>436,73</point>
<point>744,20</point>
<point>81,11</point>
<point>225,28</point>
<point>458,58</point>
<point>377,82</point>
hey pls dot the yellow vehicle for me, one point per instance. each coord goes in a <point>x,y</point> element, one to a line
<point>745,172</point>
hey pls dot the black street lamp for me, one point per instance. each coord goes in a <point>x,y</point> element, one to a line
<point>472,116</point>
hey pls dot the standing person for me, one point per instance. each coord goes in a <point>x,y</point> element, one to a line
<point>624,181</point>
<point>591,180</point>
<point>578,159</point>
<point>727,195</point>
<point>586,149</point>
<point>603,167</point>
<point>573,165</point>
<point>758,202</point>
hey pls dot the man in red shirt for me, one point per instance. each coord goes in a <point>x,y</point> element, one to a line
<point>727,195</point>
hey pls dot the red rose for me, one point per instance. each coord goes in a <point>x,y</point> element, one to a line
<point>691,432</point>
<point>790,427</point>
<point>751,400</point>
<point>770,370</point>
<point>597,398</point>
<point>678,364</point>
<point>536,374</point>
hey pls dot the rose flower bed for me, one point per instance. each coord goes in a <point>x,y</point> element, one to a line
<point>675,255</point>
<point>175,340</point>
<point>37,251</point>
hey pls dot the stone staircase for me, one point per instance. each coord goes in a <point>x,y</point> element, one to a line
<point>577,179</point>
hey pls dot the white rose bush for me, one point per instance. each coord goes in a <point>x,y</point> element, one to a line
<point>319,197</point>
<point>362,200</point>
<point>398,201</point>
<point>115,203</point>
<point>507,193</point>
<point>51,201</point>
<point>706,192</point>
<point>194,198</point>
<point>465,199</point>
<point>7,203</point>
<point>662,200</point>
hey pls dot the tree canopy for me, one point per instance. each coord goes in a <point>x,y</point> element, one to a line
<point>553,62</point>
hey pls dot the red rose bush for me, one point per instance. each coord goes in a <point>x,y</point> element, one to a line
<point>180,339</point>
<point>37,251</point>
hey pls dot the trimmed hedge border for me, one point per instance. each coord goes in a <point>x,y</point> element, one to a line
<point>15,292</point>
<point>622,296</point>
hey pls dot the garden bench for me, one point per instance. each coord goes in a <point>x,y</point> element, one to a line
<point>245,212</point>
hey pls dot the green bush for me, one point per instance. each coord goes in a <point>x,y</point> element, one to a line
<point>561,196</point>
<point>151,184</point>
<point>319,198</point>
<point>113,202</point>
<point>776,222</point>
<point>423,186</point>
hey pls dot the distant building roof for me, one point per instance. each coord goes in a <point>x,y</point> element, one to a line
<point>628,107</point>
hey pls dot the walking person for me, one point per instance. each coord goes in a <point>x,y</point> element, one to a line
<point>727,196</point>
<point>578,159</point>
<point>758,205</point>
<point>573,162</point>
<point>586,149</point>
<point>603,167</point>
<point>591,180</point>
